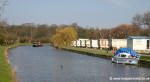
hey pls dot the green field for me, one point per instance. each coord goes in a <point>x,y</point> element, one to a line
<point>94,51</point>
<point>146,58</point>
<point>103,52</point>
<point>5,69</point>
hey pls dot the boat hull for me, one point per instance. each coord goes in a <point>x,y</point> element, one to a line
<point>125,60</point>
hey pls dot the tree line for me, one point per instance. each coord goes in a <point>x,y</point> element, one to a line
<point>26,33</point>
<point>140,26</point>
<point>30,32</point>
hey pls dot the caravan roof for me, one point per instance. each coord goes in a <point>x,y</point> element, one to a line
<point>138,37</point>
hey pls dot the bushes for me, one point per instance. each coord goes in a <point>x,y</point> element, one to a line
<point>2,38</point>
<point>64,37</point>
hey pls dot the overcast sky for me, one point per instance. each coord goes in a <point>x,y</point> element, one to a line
<point>95,13</point>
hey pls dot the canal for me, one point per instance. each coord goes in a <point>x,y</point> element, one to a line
<point>47,64</point>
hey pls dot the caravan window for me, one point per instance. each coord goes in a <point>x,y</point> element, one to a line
<point>122,55</point>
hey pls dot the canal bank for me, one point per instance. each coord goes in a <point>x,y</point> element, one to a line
<point>7,74</point>
<point>145,60</point>
<point>48,64</point>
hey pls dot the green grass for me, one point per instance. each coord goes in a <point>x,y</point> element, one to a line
<point>5,69</point>
<point>145,58</point>
<point>94,51</point>
<point>98,51</point>
<point>146,53</point>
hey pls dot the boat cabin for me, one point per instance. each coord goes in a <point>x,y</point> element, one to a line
<point>126,55</point>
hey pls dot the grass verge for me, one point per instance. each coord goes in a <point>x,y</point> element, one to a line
<point>5,69</point>
<point>94,51</point>
<point>145,58</point>
<point>101,52</point>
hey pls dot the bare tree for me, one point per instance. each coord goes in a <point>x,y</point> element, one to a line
<point>146,19</point>
<point>137,20</point>
<point>142,20</point>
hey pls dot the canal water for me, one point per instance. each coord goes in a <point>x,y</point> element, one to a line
<point>47,64</point>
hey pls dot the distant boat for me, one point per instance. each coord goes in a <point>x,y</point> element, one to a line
<point>35,44</point>
<point>126,56</point>
<point>39,44</point>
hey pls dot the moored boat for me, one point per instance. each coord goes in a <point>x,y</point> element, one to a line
<point>39,44</point>
<point>35,44</point>
<point>126,56</point>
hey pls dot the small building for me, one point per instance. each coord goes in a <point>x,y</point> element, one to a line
<point>138,42</point>
<point>118,43</point>
<point>74,43</point>
<point>94,44</point>
<point>78,43</point>
<point>103,43</point>
<point>88,43</point>
<point>83,42</point>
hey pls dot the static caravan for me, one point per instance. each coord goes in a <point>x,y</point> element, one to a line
<point>138,42</point>
<point>83,42</point>
<point>104,43</point>
<point>74,43</point>
<point>94,44</point>
<point>118,43</point>
<point>88,43</point>
<point>78,43</point>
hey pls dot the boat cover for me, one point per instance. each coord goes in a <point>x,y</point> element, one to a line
<point>127,50</point>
